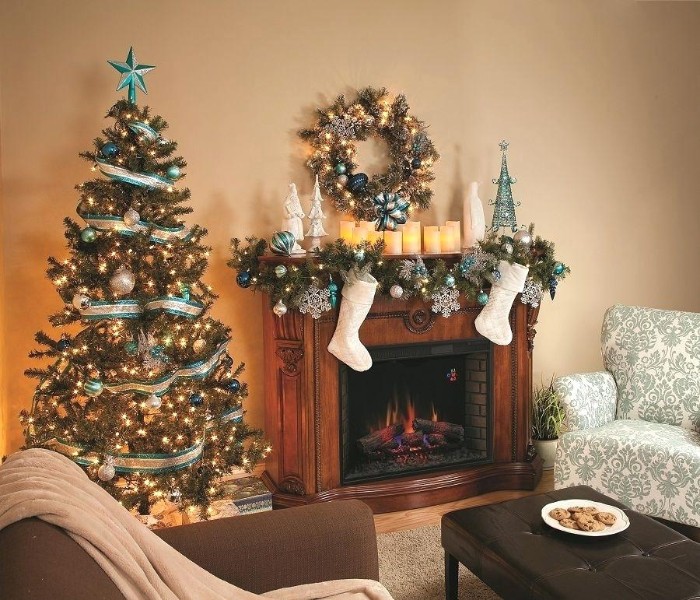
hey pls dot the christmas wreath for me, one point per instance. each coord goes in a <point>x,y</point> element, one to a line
<point>333,151</point>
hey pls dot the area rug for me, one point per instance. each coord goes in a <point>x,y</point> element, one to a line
<point>412,567</point>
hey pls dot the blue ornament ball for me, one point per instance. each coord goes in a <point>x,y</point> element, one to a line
<point>196,399</point>
<point>280,271</point>
<point>88,235</point>
<point>282,242</point>
<point>109,150</point>
<point>359,255</point>
<point>173,172</point>
<point>558,268</point>
<point>449,281</point>
<point>416,163</point>
<point>63,344</point>
<point>93,387</point>
<point>131,348</point>
<point>482,298</point>
<point>340,168</point>
<point>243,279</point>
<point>358,182</point>
<point>233,386</point>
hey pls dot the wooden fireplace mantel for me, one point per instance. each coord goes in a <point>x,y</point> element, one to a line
<point>302,407</point>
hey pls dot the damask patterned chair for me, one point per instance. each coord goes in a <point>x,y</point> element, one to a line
<point>633,430</point>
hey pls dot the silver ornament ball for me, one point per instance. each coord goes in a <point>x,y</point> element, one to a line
<point>131,217</point>
<point>199,345</point>
<point>81,301</point>
<point>280,308</point>
<point>343,179</point>
<point>122,282</point>
<point>396,291</point>
<point>523,237</point>
<point>154,402</point>
<point>106,472</point>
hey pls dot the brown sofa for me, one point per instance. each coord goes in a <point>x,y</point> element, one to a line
<point>260,552</point>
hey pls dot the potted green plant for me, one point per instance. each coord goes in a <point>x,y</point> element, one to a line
<point>546,420</point>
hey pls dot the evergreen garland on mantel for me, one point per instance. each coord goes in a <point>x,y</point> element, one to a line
<point>286,280</point>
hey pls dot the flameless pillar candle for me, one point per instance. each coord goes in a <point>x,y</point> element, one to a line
<point>359,235</point>
<point>392,239</point>
<point>366,225</point>
<point>374,236</point>
<point>456,236</point>
<point>431,239</point>
<point>446,238</point>
<point>411,237</point>
<point>346,229</point>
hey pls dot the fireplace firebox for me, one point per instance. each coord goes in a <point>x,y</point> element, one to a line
<point>471,440</point>
<point>420,408</point>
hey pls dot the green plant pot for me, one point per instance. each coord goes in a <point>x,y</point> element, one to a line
<point>547,450</point>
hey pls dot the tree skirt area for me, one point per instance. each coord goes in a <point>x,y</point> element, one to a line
<point>412,567</point>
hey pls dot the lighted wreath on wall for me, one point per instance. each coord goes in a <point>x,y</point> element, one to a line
<point>411,154</point>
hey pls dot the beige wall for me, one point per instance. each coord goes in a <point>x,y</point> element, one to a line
<point>598,99</point>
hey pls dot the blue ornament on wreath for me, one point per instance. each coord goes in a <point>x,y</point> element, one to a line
<point>340,169</point>
<point>553,287</point>
<point>282,242</point>
<point>466,264</point>
<point>558,268</point>
<point>109,150</point>
<point>233,386</point>
<point>333,289</point>
<point>482,298</point>
<point>131,348</point>
<point>173,172</point>
<point>196,399</point>
<point>280,271</point>
<point>63,344</point>
<point>88,235</point>
<point>243,279</point>
<point>357,182</point>
<point>359,255</point>
<point>416,163</point>
<point>449,280</point>
<point>391,210</point>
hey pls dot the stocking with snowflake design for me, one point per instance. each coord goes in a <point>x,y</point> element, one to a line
<point>492,321</point>
<point>358,294</point>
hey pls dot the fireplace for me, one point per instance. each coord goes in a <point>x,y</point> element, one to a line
<point>420,408</point>
<point>317,411</point>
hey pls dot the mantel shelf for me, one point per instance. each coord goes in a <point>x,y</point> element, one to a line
<point>302,258</point>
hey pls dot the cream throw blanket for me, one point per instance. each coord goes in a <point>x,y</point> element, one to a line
<point>44,484</point>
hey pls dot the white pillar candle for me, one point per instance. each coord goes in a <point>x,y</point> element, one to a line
<point>446,238</point>
<point>431,239</point>
<point>374,236</point>
<point>346,229</point>
<point>456,236</point>
<point>411,240</point>
<point>366,225</point>
<point>392,239</point>
<point>359,235</point>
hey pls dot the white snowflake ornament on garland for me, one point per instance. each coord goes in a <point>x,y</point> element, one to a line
<point>315,301</point>
<point>445,301</point>
<point>532,293</point>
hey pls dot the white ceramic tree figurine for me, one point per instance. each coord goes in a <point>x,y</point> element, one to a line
<point>316,216</point>
<point>293,214</point>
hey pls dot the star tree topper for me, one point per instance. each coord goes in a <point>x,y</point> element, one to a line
<point>132,74</point>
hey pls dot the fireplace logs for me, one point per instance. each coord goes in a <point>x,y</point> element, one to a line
<point>394,440</point>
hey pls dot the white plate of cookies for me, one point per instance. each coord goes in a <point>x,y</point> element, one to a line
<point>585,517</point>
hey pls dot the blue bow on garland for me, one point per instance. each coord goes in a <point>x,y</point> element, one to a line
<point>391,210</point>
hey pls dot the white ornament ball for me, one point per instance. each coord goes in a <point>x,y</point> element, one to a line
<point>396,291</point>
<point>154,402</point>
<point>122,282</point>
<point>81,301</point>
<point>523,237</point>
<point>199,345</point>
<point>280,308</point>
<point>106,472</point>
<point>131,217</point>
<point>508,247</point>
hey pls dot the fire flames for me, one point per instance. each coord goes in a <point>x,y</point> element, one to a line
<point>402,412</point>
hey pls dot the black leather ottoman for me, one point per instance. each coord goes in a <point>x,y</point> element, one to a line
<point>514,552</point>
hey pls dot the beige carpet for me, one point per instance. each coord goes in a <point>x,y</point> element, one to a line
<point>412,567</point>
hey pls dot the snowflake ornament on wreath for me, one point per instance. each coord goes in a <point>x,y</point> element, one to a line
<point>315,301</point>
<point>445,301</point>
<point>332,158</point>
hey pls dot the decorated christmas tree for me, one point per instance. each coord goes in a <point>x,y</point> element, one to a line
<point>504,205</point>
<point>316,216</point>
<point>140,390</point>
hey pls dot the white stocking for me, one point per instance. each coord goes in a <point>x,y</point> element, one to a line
<point>358,293</point>
<point>492,321</point>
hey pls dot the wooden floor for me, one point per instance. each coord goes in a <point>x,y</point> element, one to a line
<point>430,515</point>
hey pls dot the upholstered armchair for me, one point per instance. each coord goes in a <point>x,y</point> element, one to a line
<point>632,431</point>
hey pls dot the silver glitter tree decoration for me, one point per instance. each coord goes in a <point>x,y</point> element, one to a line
<point>504,205</point>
